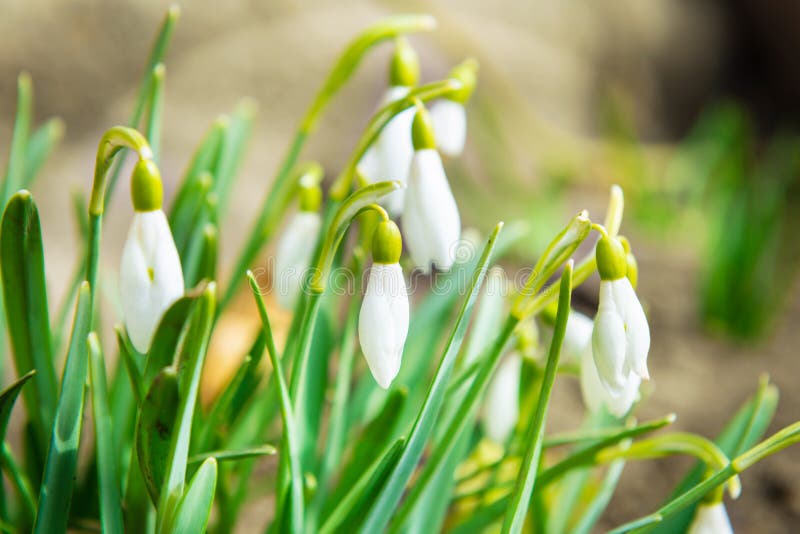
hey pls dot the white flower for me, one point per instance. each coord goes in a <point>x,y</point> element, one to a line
<point>621,337</point>
<point>711,519</point>
<point>383,321</point>
<point>389,157</point>
<point>595,395</point>
<point>577,336</point>
<point>488,315</point>
<point>450,125</point>
<point>150,278</point>
<point>431,222</point>
<point>294,255</point>
<point>501,410</point>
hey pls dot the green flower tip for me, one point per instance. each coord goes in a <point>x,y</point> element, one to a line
<point>633,267</point>
<point>386,243</point>
<point>147,192</point>
<point>404,67</point>
<point>310,196</point>
<point>422,129</point>
<point>466,73</point>
<point>612,263</point>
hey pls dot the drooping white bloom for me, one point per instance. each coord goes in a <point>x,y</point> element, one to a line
<point>150,277</point>
<point>294,254</point>
<point>711,519</point>
<point>621,337</point>
<point>450,125</point>
<point>501,410</point>
<point>389,157</point>
<point>595,395</point>
<point>383,321</point>
<point>431,222</point>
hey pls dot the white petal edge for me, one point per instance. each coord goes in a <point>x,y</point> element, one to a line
<point>293,256</point>
<point>636,328</point>
<point>501,408</point>
<point>609,342</point>
<point>450,126</point>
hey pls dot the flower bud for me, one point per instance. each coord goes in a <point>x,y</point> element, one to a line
<point>422,134</point>
<point>611,259</point>
<point>711,518</point>
<point>386,243</point>
<point>404,67</point>
<point>147,193</point>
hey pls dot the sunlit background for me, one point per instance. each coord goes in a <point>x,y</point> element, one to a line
<point>692,106</point>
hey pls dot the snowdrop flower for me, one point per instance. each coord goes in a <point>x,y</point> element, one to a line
<point>389,157</point>
<point>150,278</point>
<point>383,321</point>
<point>296,246</point>
<point>711,519</point>
<point>577,337</point>
<point>489,315</point>
<point>448,114</point>
<point>431,222</point>
<point>621,337</point>
<point>596,396</point>
<point>501,410</point>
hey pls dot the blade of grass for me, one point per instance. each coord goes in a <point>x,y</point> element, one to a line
<point>109,487</point>
<point>227,456</point>
<point>195,506</point>
<point>154,117</point>
<point>25,299</point>
<point>15,171</point>
<point>600,501</point>
<point>231,151</point>
<point>62,457</point>
<point>518,507</point>
<point>189,366</point>
<point>291,446</point>
<point>40,144</point>
<point>157,53</point>
<point>384,505</point>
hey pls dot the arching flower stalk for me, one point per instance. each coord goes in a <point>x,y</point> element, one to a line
<point>431,222</point>
<point>383,321</point>
<point>296,247</point>
<point>150,278</point>
<point>449,115</point>
<point>389,157</point>
<point>621,337</point>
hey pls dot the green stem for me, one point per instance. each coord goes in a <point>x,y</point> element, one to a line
<point>518,507</point>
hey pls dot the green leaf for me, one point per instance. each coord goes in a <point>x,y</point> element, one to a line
<point>195,506</point>
<point>231,150</point>
<point>25,298</point>
<point>352,508</point>
<point>220,411</point>
<point>600,500</point>
<point>129,356</point>
<point>189,365</point>
<point>740,433</point>
<point>156,426</point>
<point>226,456</point>
<point>383,508</point>
<point>40,144</point>
<point>62,456</point>
<point>109,485</point>
<point>7,399</point>
<point>15,172</point>
<point>520,499</point>
<point>291,448</point>
<point>166,339</point>
<point>154,117</point>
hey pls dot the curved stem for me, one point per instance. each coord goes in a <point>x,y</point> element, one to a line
<point>341,186</point>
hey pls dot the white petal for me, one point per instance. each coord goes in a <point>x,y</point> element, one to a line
<point>488,316</point>
<point>294,256</point>
<point>390,155</point>
<point>636,328</point>
<point>595,395</point>
<point>383,322</point>
<point>608,342</point>
<point>577,336</point>
<point>431,221</point>
<point>450,126</point>
<point>501,410</point>
<point>711,519</point>
<point>151,278</point>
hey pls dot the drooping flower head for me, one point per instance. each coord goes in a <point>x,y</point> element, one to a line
<point>621,337</point>
<point>449,115</point>
<point>296,247</point>
<point>431,223</point>
<point>150,277</point>
<point>389,157</point>
<point>383,321</point>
